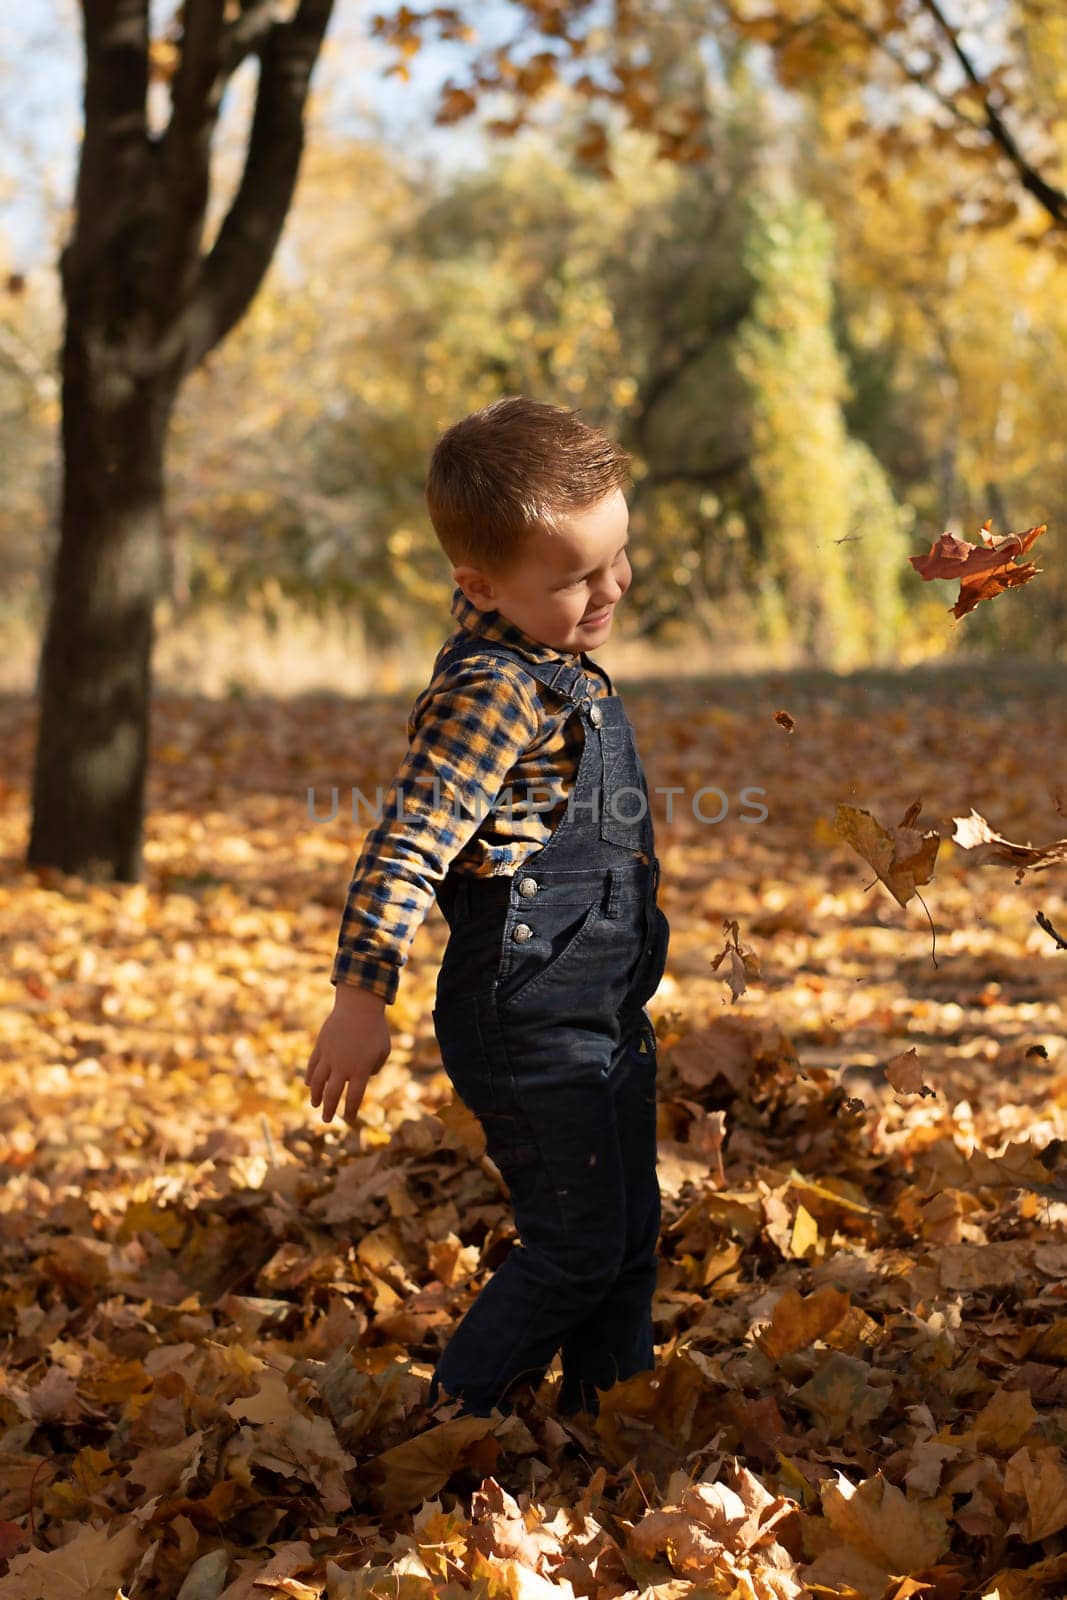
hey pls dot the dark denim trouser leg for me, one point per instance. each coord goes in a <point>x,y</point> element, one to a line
<point>615,1341</point>
<point>564,1159</point>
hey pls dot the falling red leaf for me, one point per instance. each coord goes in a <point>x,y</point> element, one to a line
<point>983,573</point>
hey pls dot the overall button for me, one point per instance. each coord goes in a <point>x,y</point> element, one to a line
<point>528,887</point>
<point>596,716</point>
<point>522,932</point>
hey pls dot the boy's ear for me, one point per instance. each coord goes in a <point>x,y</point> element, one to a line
<point>476,587</point>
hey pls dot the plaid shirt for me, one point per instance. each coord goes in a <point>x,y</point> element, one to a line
<point>479,725</point>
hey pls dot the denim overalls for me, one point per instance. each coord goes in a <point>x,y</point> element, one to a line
<point>541,1023</point>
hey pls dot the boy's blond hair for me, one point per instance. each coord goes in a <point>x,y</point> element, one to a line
<point>516,465</point>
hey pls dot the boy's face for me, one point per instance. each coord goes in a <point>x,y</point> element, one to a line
<point>564,590</point>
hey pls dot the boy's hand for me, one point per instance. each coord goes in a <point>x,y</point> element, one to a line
<point>352,1044</point>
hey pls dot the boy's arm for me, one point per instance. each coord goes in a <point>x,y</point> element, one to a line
<point>469,736</point>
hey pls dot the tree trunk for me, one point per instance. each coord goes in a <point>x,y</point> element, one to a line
<point>91,757</point>
<point>144,307</point>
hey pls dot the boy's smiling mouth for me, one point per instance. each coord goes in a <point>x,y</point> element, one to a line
<point>597,618</point>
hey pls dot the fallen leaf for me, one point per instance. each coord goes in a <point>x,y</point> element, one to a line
<point>415,1470</point>
<point>94,1565</point>
<point>1039,1475</point>
<point>798,1320</point>
<point>882,1524</point>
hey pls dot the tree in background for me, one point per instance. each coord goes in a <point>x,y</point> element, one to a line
<point>956,345</point>
<point>144,305</point>
<point>624,297</point>
<point>955,117</point>
<point>836,549</point>
<point>618,298</point>
<point>297,455</point>
<point>989,84</point>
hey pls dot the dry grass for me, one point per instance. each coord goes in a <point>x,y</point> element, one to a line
<point>219,650</point>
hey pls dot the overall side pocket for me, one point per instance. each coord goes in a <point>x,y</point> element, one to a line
<point>653,967</point>
<point>552,953</point>
<point>463,1053</point>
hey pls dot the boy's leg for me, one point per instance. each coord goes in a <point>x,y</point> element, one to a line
<point>615,1340</point>
<point>559,1151</point>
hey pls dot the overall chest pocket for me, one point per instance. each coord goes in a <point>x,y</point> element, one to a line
<point>625,815</point>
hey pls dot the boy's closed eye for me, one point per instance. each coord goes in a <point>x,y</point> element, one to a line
<point>576,583</point>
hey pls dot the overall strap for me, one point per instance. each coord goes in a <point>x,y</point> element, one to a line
<point>566,678</point>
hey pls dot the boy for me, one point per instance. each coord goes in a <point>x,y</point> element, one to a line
<point>555,938</point>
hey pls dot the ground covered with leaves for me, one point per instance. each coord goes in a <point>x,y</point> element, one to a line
<point>219,1316</point>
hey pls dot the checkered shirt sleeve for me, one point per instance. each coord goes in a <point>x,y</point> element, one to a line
<point>468,735</point>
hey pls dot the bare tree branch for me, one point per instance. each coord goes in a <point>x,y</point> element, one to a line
<point>921,79</point>
<point>248,34</point>
<point>1053,200</point>
<point>242,252</point>
<point>668,374</point>
<point>113,165</point>
<point>184,155</point>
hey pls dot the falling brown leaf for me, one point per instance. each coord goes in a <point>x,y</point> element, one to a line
<point>905,1073</point>
<point>744,963</point>
<point>973,833</point>
<point>901,856</point>
<point>1051,929</point>
<point>983,572</point>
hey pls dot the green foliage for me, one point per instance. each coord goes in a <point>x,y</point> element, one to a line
<point>815,378</point>
<point>837,542</point>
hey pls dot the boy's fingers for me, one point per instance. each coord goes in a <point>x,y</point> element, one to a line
<point>335,1087</point>
<point>323,1091</point>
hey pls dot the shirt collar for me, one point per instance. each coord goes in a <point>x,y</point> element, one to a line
<point>491,625</point>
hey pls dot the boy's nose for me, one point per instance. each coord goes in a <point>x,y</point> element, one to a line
<point>612,593</point>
